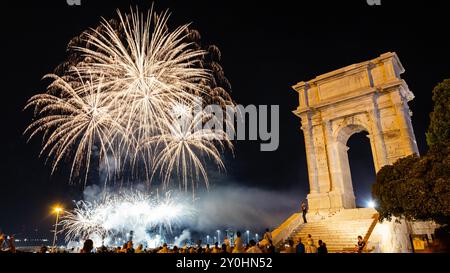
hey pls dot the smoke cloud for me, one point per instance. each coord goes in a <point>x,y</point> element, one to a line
<point>242,208</point>
<point>184,236</point>
<point>223,207</point>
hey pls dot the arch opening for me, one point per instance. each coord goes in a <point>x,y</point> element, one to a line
<point>354,171</point>
<point>362,169</point>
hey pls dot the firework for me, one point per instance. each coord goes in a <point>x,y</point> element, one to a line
<point>184,142</point>
<point>116,96</point>
<point>74,121</point>
<point>117,214</point>
<point>146,72</point>
<point>85,220</point>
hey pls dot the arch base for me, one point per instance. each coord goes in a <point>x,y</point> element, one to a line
<point>330,201</point>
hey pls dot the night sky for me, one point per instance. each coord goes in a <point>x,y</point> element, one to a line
<point>266,48</point>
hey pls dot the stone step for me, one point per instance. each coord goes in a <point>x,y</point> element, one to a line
<point>339,231</point>
<point>333,227</point>
<point>354,222</point>
<point>324,223</point>
<point>329,233</point>
<point>330,227</point>
<point>315,238</point>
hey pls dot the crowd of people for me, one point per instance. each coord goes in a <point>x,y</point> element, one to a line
<point>309,247</point>
<point>263,246</point>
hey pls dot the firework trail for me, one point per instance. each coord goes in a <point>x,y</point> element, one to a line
<point>116,95</point>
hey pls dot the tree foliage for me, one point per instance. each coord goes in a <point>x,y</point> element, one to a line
<point>439,129</point>
<point>418,188</point>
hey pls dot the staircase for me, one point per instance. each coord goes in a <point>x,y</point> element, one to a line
<point>339,231</point>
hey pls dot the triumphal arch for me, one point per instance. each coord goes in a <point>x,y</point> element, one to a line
<point>370,96</point>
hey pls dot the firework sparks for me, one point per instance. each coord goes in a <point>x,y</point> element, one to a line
<point>85,220</point>
<point>79,117</point>
<point>146,73</point>
<point>123,213</point>
<point>117,95</point>
<point>183,143</point>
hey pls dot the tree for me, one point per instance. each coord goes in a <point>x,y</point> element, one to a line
<point>415,188</point>
<point>439,129</point>
<point>418,188</point>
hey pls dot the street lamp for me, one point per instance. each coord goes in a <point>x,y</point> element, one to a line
<point>248,236</point>
<point>218,236</point>
<point>207,239</point>
<point>56,210</point>
<point>256,237</point>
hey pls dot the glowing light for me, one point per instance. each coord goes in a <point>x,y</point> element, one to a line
<point>371,204</point>
<point>58,209</point>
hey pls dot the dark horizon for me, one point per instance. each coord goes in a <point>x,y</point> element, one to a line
<point>266,49</point>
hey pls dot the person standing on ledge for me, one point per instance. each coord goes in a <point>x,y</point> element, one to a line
<point>304,211</point>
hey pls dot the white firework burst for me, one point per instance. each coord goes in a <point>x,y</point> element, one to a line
<point>183,145</point>
<point>119,98</point>
<point>125,212</point>
<point>73,121</point>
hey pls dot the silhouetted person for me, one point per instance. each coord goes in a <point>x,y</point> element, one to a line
<point>224,248</point>
<point>130,248</point>
<point>253,248</point>
<point>199,246</point>
<point>43,249</point>
<point>300,248</point>
<point>216,248</point>
<point>322,249</point>
<point>304,211</point>
<point>164,249</point>
<point>87,246</point>
<point>207,248</point>
<point>290,248</point>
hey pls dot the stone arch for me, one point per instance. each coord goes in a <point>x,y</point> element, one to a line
<point>368,96</point>
<point>344,177</point>
<point>345,132</point>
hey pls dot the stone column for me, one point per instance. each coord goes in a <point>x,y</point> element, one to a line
<point>404,124</point>
<point>376,137</point>
<point>310,153</point>
<point>332,159</point>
